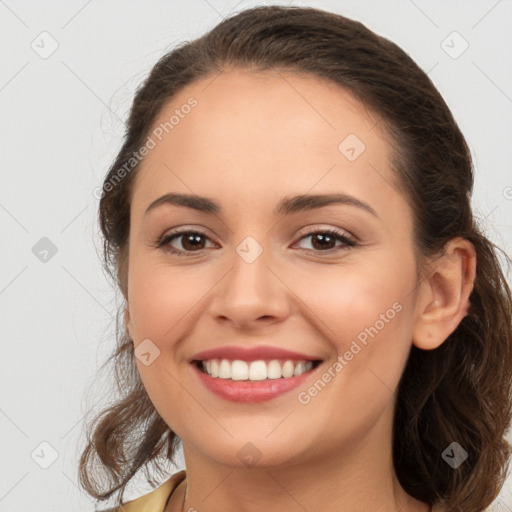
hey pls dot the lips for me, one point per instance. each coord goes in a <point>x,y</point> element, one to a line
<point>251,354</point>
<point>251,392</point>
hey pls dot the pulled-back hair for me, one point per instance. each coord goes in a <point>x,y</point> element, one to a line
<point>460,391</point>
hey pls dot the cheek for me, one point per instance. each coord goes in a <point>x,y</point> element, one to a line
<point>350,299</point>
<point>366,314</point>
<point>160,297</point>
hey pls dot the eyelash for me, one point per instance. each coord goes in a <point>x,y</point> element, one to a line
<point>164,240</point>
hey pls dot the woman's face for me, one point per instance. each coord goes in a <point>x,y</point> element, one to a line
<point>254,274</point>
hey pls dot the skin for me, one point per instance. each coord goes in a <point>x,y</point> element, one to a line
<point>253,139</point>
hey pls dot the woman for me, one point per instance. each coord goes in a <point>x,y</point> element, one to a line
<point>310,308</point>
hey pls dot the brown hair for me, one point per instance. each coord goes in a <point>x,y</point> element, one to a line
<point>461,391</point>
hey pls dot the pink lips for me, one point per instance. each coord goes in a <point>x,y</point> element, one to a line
<point>244,391</point>
<point>250,391</point>
<point>251,354</point>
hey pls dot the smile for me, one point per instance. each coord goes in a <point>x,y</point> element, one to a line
<point>255,370</point>
<point>254,381</point>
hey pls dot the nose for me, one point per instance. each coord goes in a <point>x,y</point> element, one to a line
<point>251,295</point>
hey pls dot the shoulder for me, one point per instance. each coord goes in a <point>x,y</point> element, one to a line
<point>154,501</point>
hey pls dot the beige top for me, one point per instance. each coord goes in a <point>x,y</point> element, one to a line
<point>157,499</point>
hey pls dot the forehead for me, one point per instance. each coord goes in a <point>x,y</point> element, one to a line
<point>253,132</point>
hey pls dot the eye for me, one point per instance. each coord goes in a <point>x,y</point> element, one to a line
<point>323,240</point>
<point>191,242</point>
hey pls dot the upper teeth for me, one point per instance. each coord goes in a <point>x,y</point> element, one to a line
<point>255,370</point>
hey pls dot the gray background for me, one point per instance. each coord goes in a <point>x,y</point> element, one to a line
<point>61,124</point>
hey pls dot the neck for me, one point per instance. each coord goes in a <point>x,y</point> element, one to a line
<point>356,478</point>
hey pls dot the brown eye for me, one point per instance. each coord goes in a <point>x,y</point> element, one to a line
<point>191,241</point>
<point>325,240</point>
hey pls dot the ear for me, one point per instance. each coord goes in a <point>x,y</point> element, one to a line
<point>443,298</point>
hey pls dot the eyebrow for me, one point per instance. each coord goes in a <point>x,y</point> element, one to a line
<point>287,206</point>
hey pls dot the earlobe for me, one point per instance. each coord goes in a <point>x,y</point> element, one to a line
<point>444,295</point>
